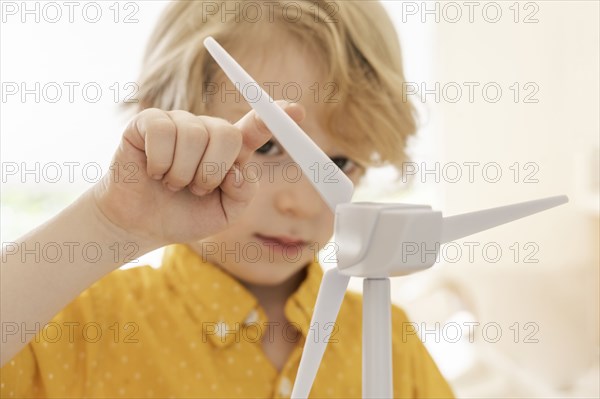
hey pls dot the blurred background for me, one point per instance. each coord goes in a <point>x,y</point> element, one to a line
<point>508,99</point>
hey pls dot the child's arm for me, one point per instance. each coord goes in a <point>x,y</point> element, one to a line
<point>176,158</point>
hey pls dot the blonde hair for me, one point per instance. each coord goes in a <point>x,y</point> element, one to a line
<point>370,120</point>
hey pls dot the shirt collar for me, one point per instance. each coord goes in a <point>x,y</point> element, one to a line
<point>221,304</point>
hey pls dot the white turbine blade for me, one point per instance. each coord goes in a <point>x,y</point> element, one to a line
<point>331,183</point>
<point>329,301</point>
<point>459,226</point>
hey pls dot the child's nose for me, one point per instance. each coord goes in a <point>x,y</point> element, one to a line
<point>299,199</point>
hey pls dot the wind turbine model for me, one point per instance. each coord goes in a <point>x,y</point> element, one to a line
<point>376,241</point>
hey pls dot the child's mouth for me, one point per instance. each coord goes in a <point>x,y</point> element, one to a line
<point>287,244</point>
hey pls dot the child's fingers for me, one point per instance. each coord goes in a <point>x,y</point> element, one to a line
<point>158,134</point>
<point>199,151</point>
<point>255,133</point>
<point>191,142</point>
<point>225,141</point>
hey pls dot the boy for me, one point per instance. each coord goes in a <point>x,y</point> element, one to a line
<point>227,313</point>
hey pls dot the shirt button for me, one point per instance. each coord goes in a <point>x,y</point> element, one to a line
<point>252,317</point>
<point>285,387</point>
<point>222,329</point>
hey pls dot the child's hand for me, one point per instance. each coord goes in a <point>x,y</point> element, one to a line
<point>173,176</point>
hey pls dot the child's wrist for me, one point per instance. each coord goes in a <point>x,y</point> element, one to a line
<point>112,231</point>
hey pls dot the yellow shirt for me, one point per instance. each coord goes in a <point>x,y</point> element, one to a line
<point>188,329</point>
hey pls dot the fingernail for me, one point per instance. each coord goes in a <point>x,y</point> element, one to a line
<point>238,179</point>
<point>251,175</point>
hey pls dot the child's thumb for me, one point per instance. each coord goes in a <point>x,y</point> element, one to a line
<point>254,131</point>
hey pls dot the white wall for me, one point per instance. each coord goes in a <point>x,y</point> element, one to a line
<point>41,131</point>
<point>558,135</point>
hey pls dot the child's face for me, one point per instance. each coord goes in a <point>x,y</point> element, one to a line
<point>286,205</point>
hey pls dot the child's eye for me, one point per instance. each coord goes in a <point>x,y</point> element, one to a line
<point>269,148</point>
<point>345,164</point>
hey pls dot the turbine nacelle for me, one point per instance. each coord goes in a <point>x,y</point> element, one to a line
<point>386,240</point>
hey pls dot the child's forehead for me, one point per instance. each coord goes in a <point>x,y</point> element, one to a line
<point>280,64</point>
<point>289,72</point>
